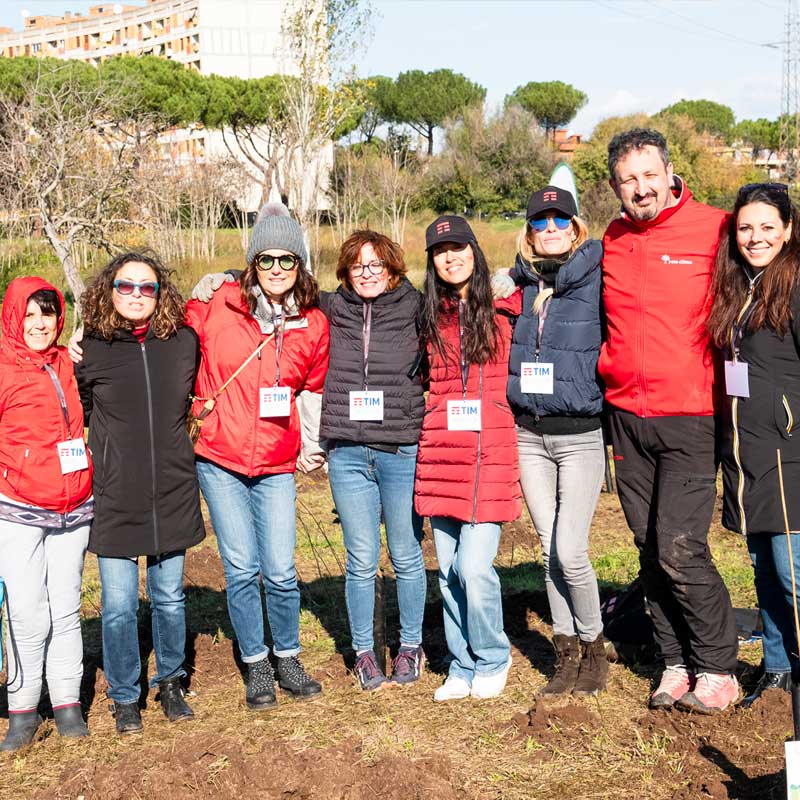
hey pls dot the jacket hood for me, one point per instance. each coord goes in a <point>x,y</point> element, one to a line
<point>15,305</point>
<point>573,272</point>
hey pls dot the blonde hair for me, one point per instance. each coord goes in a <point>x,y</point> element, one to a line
<point>528,254</point>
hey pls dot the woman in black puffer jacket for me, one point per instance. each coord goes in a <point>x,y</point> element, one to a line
<point>371,418</point>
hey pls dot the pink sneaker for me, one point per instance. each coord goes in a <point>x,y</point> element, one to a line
<point>712,693</point>
<point>676,681</point>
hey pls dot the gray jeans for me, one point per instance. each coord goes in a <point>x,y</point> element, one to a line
<point>561,476</point>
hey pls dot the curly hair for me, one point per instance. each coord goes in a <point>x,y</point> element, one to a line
<point>481,338</point>
<point>305,290</point>
<point>97,307</point>
<point>387,251</point>
<point>775,290</point>
<point>635,139</point>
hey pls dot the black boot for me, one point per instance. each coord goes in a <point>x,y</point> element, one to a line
<point>260,693</point>
<point>171,695</point>
<point>127,716</point>
<point>69,721</point>
<point>593,669</point>
<point>293,678</point>
<point>568,659</point>
<point>769,680</point>
<point>21,729</point>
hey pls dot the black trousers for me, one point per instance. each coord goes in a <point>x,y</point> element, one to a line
<point>666,479</point>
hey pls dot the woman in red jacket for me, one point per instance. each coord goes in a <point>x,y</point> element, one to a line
<point>467,470</point>
<point>249,445</point>
<point>45,511</point>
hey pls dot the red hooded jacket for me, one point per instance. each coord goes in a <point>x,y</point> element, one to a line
<point>31,420</point>
<point>656,360</point>
<point>234,435</point>
<point>471,476</point>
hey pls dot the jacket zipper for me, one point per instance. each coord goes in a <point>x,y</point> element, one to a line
<point>156,537</point>
<point>478,460</point>
<point>735,421</point>
<point>642,333</point>
<point>62,401</point>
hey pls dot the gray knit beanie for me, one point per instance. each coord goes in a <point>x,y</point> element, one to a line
<point>276,230</point>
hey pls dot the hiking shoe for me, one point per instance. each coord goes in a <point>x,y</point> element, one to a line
<point>452,689</point>
<point>260,691</point>
<point>293,678</point>
<point>593,670</point>
<point>171,695</point>
<point>22,727</point>
<point>127,716</point>
<point>712,693</point>
<point>676,681</point>
<point>769,680</point>
<point>568,656</point>
<point>486,686</point>
<point>69,721</point>
<point>369,674</point>
<point>408,665</point>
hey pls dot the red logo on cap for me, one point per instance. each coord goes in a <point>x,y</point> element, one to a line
<point>550,197</point>
<point>443,227</point>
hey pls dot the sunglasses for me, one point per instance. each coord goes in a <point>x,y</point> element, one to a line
<point>775,187</point>
<point>146,289</point>
<point>286,262</point>
<point>539,224</point>
<point>373,268</point>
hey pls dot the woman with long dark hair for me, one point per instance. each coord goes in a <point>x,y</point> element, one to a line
<point>755,323</point>
<point>137,372</point>
<point>467,468</point>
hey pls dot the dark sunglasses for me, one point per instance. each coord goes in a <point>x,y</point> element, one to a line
<point>775,187</point>
<point>539,224</point>
<point>266,262</point>
<point>146,289</point>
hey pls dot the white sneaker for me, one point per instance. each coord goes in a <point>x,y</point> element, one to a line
<point>452,689</point>
<point>485,686</point>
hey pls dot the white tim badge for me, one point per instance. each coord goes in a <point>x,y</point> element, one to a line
<point>792,751</point>
<point>536,377</point>
<point>366,406</point>
<point>463,415</point>
<point>274,401</point>
<point>72,455</point>
<point>737,383</point>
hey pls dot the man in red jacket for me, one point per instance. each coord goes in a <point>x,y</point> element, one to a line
<point>657,366</point>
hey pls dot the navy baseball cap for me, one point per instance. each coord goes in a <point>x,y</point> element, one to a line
<point>448,228</point>
<point>552,198</point>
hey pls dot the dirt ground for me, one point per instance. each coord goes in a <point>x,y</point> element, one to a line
<point>350,745</point>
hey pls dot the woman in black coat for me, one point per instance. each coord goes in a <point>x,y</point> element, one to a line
<point>138,370</point>
<point>755,322</point>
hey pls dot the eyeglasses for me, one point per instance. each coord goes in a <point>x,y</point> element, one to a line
<point>775,187</point>
<point>373,268</point>
<point>286,262</point>
<point>146,289</point>
<point>539,224</point>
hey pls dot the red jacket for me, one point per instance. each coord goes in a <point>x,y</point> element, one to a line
<point>234,435</point>
<point>31,420</point>
<point>472,476</point>
<point>656,360</point>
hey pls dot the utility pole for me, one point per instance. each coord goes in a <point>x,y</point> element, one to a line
<point>789,143</point>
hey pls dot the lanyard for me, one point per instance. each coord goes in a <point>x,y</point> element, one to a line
<point>366,330</point>
<point>60,392</point>
<point>740,325</point>
<point>464,363</point>
<point>542,317</point>
<point>278,328</point>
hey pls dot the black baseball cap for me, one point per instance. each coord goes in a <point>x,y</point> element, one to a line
<point>448,228</point>
<point>551,198</point>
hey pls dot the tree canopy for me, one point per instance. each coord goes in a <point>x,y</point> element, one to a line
<point>706,115</point>
<point>553,103</point>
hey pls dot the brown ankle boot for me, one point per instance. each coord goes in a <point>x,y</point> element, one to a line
<point>593,669</point>
<point>567,660</point>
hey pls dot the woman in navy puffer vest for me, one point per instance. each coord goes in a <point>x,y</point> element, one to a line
<point>556,399</point>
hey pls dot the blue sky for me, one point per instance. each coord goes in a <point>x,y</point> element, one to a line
<point>627,55</point>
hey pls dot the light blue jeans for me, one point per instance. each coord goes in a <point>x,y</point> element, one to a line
<point>561,476</point>
<point>773,578</point>
<point>365,482</point>
<point>470,587</point>
<point>119,579</point>
<point>254,520</point>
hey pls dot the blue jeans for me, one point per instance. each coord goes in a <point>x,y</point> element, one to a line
<point>254,520</point>
<point>119,580</point>
<point>773,579</point>
<point>470,586</point>
<point>365,481</point>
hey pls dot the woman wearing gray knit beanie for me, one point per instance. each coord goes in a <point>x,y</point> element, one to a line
<point>253,440</point>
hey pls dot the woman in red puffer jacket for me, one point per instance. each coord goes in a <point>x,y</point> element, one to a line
<point>467,470</point>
